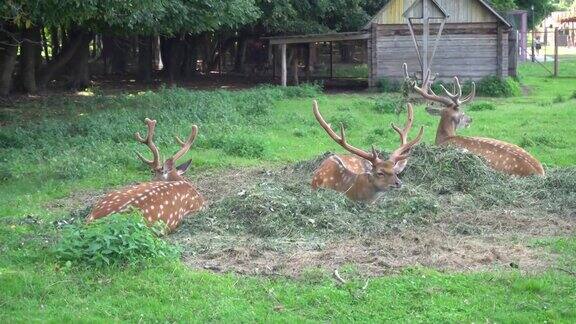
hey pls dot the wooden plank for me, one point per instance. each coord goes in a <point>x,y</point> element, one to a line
<point>300,39</point>
<point>499,54</point>
<point>284,75</point>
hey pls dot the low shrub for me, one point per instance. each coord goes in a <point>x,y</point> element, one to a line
<point>113,240</point>
<point>490,86</point>
<point>389,105</point>
<point>481,106</point>
<point>239,145</point>
<point>389,85</point>
<point>559,99</point>
<point>493,86</point>
<point>573,95</point>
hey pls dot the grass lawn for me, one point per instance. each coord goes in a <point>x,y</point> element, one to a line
<point>55,150</point>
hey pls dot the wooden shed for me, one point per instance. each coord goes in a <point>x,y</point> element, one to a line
<point>475,41</point>
<point>473,44</point>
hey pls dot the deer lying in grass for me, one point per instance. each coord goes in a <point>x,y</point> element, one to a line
<point>168,197</point>
<point>362,176</point>
<point>501,156</point>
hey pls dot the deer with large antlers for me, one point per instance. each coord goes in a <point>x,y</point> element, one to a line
<point>363,175</point>
<point>168,197</point>
<point>501,156</point>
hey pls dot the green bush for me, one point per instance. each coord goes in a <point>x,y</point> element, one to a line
<point>389,105</point>
<point>100,132</point>
<point>481,106</point>
<point>113,240</point>
<point>493,86</point>
<point>573,95</point>
<point>389,85</point>
<point>490,86</point>
<point>239,145</point>
<point>559,99</point>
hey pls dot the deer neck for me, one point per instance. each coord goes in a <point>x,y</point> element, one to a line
<point>363,188</point>
<point>446,129</point>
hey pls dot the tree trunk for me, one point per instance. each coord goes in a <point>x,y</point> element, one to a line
<point>80,74</point>
<point>191,57</point>
<point>240,55</point>
<point>55,41</point>
<point>45,44</point>
<point>28,57</point>
<point>116,52</point>
<point>145,58</point>
<point>77,39</point>
<point>172,57</point>
<point>8,56</point>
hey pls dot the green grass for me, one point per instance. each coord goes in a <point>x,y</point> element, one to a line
<point>57,146</point>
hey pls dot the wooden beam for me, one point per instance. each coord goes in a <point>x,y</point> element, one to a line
<point>301,39</point>
<point>331,61</point>
<point>499,54</point>
<point>556,52</point>
<point>284,76</point>
<point>425,36</point>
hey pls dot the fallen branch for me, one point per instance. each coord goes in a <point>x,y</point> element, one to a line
<point>337,276</point>
<point>567,271</point>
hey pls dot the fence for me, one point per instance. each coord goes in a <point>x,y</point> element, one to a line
<point>554,50</point>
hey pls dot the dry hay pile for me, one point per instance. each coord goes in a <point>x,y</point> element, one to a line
<point>452,213</point>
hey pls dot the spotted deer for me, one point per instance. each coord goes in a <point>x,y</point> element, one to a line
<point>168,197</point>
<point>363,175</point>
<point>501,156</point>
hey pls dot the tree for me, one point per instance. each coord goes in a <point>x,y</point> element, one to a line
<point>542,8</point>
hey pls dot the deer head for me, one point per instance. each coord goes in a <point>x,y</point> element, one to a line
<point>165,171</point>
<point>452,115</point>
<point>378,174</point>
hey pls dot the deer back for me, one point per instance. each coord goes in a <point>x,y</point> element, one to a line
<point>168,201</point>
<point>501,156</point>
<point>333,175</point>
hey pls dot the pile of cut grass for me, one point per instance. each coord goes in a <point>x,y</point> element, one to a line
<point>438,181</point>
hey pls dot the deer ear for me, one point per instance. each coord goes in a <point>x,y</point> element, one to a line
<point>182,168</point>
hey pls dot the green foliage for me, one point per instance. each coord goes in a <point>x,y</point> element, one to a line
<point>481,106</point>
<point>386,104</point>
<point>573,95</point>
<point>493,86</point>
<point>100,140</point>
<point>542,8</point>
<point>489,86</point>
<point>113,240</point>
<point>389,85</point>
<point>239,145</point>
<point>559,99</point>
<point>503,5</point>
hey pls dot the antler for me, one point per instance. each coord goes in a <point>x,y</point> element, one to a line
<point>372,157</point>
<point>155,163</point>
<point>454,97</point>
<point>400,155</point>
<point>185,146</point>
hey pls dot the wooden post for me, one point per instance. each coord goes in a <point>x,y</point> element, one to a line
<point>513,53</point>
<point>499,54</point>
<point>284,76</point>
<point>556,52</point>
<point>425,35</point>
<point>331,62</point>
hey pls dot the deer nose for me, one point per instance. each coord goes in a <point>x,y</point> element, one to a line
<point>398,184</point>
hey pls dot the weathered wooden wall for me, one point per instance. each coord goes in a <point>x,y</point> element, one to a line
<point>470,51</point>
<point>460,11</point>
